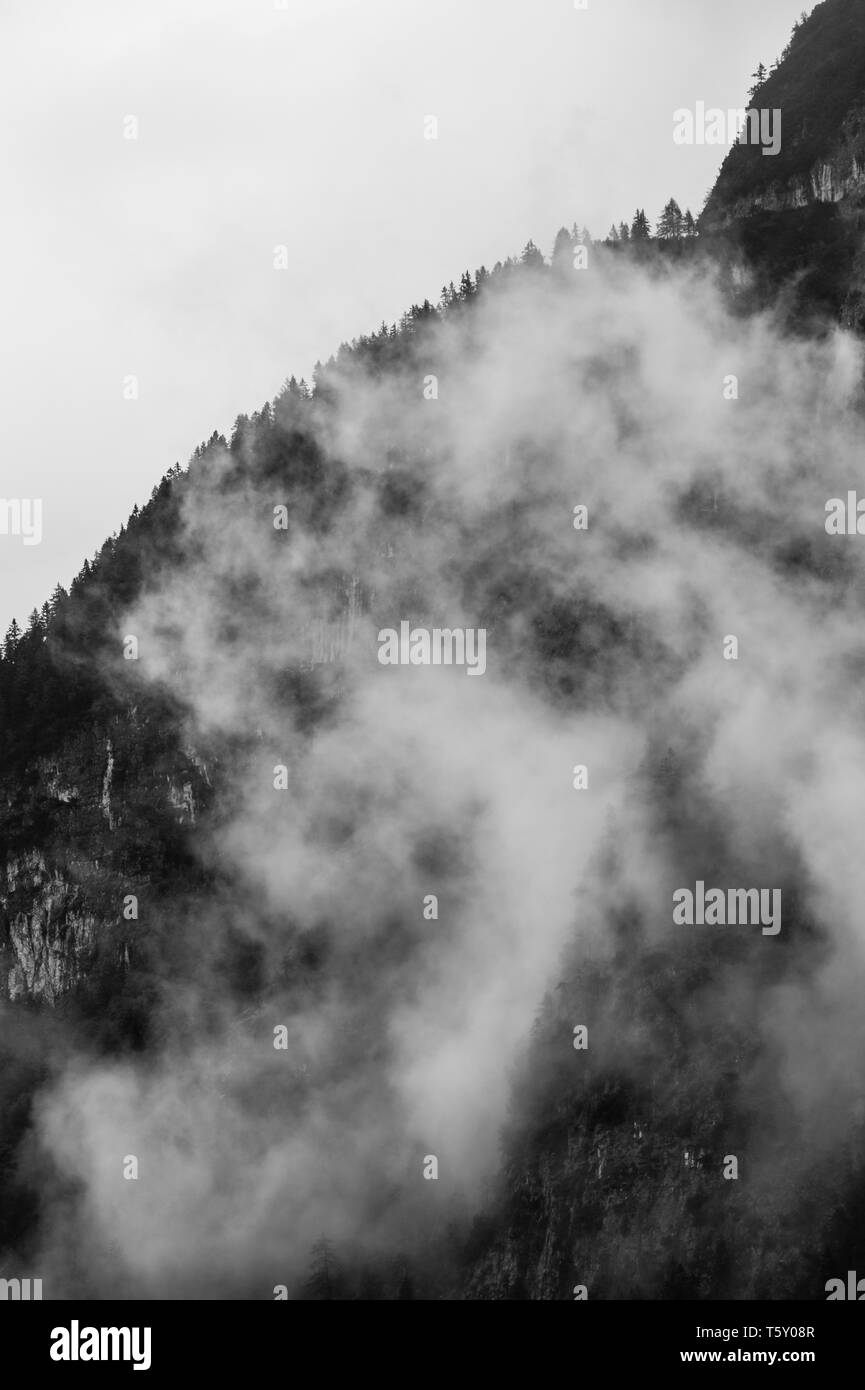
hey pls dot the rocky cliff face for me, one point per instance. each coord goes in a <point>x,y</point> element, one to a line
<point>796,218</point>
<point>818,89</point>
<point>101,819</point>
<point>838,176</point>
<point>79,856</point>
<point>49,934</point>
<point>828,181</point>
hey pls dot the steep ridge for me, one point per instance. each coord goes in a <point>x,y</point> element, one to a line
<point>819,88</point>
<point>799,213</point>
<point>224,825</point>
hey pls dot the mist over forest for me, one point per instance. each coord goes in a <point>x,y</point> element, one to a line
<point>323,977</point>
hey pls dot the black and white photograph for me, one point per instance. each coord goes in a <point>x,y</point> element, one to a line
<point>432,682</point>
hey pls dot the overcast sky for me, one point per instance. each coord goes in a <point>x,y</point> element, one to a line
<point>300,126</point>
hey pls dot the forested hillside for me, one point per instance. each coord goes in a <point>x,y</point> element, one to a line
<point>374,971</point>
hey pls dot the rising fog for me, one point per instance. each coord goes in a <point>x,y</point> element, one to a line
<point>605,388</point>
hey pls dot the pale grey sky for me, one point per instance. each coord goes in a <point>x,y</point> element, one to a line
<point>301,126</point>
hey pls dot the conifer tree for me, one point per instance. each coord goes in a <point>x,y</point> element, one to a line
<point>640,230</point>
<point>563,249</point>
<point>531,255</point>
<point>11,640</point>
<point>670,226</point>
<point>759,78</point>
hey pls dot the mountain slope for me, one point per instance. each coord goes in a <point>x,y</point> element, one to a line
<point>798,215</point>
<point>286,924</point>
